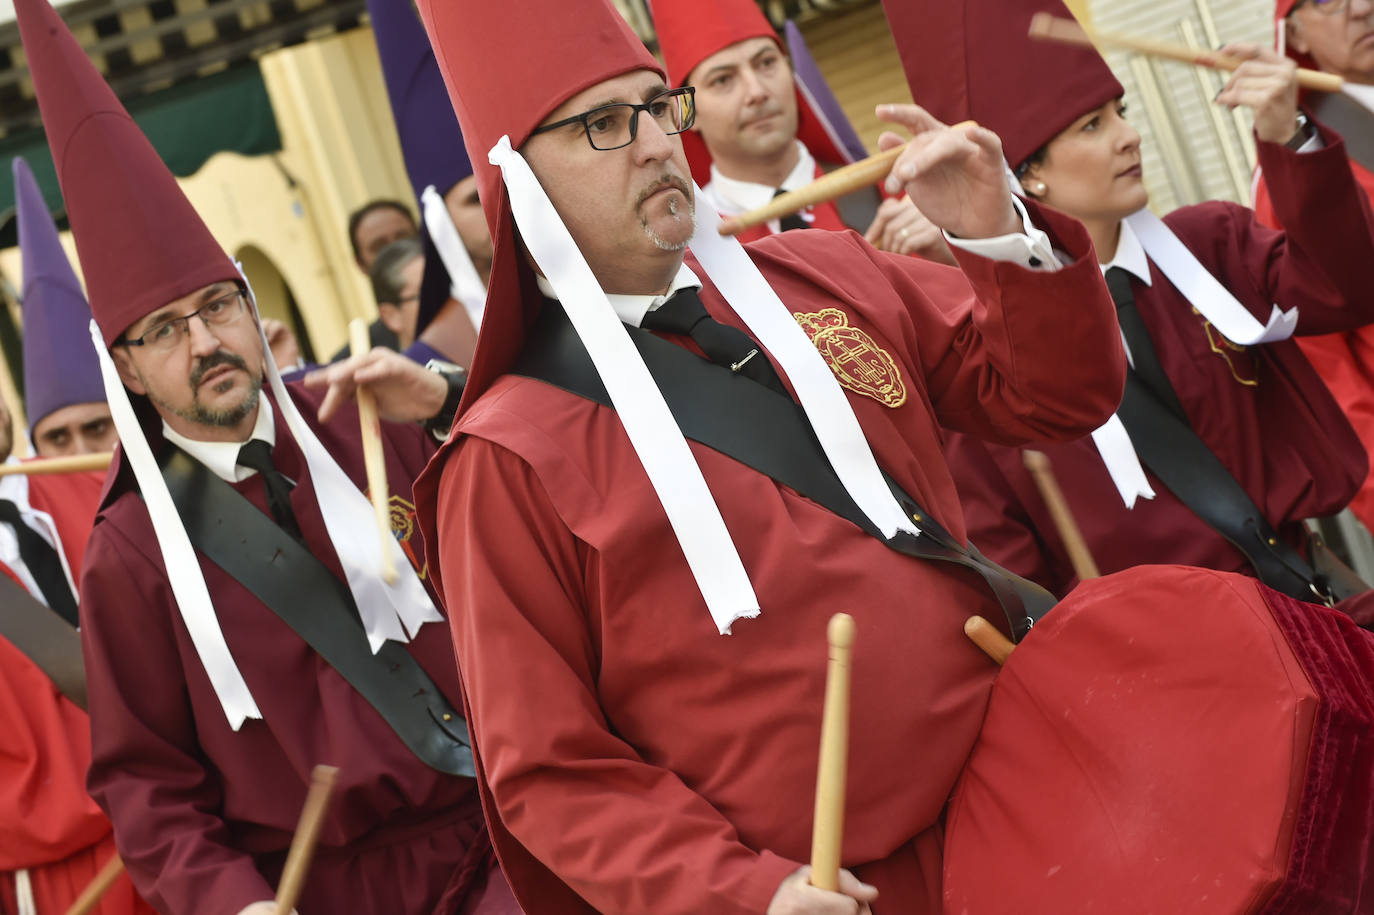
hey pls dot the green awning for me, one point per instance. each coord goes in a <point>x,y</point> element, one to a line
<point>187,124</point>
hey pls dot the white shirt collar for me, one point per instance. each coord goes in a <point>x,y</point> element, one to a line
<point>222,458</point>
<point>1130,255</point>
<point>1360,93</point>
<point>741,196</point>
<point>632,308</point>
<point>15,487</point>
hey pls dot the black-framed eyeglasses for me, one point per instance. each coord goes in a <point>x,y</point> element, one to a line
<point>614,126</point>
<point>168,334</point>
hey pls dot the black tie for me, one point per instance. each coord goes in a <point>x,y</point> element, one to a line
<point>724,345</point>
<point>42,562</point>
<point>257,455</point>
<point>794,221</point>
<point>1144,360</point>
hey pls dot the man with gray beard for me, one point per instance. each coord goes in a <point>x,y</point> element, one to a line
<point>242,620</point>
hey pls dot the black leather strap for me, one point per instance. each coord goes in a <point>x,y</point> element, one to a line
<point>1351,120</point>
<point>1154,417</point>
<point>243,541</point>
<point>48,640</point>
<point>768,432</point>
<point>1190,470</point>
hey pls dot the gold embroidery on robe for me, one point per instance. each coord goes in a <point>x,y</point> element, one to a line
<point>403,527</point>
<point>1240,361</point>
<point>859,363</point>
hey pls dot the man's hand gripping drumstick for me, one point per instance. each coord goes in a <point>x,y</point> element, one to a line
<point>954,175</point>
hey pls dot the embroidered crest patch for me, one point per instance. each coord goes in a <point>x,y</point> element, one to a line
<point>403,527</point>
<point>860,364</point>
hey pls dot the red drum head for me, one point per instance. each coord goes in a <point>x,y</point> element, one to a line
<point>1172,740</point>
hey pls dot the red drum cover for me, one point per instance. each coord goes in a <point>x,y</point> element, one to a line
<point>1172,740</point>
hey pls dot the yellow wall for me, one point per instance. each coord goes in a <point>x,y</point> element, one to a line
<point>285,216</point>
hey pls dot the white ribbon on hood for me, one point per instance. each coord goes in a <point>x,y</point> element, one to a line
<point>387,611</point>
<point>654,434</point>
<point>465,284</point>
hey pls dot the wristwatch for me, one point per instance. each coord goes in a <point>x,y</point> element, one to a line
<point>1303,134</point>
<point>455,376</point>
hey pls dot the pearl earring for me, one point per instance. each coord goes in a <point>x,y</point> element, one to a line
<point>1039,189</point>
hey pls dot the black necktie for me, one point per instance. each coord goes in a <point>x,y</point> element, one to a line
<point>794,221</point>
<point>1144,360</point>
<point>257,455</point>
<point>724,345</point>
<point>42,562</point>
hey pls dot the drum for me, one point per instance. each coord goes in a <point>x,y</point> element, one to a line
<point>1172,740</point>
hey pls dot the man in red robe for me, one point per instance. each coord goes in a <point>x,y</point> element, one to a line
<point>633,757</point>
<point>53,837</point>
<point>757,134</point>
<point>1332,35</point>
<point>214,687</point>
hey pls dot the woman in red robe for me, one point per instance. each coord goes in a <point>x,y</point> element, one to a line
<point>1255,403</point>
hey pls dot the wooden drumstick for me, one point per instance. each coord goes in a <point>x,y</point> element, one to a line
<point>90,896</point>
<point>74,463</point>
<point>846,180</point>
<point>374,459</point>
<point>303,842</point>
<point>1048,27</point>
<point>828,829</point>
<point>989,638</point>
<point>1039,466</point>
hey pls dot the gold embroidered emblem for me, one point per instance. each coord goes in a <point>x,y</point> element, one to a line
<point>860,364</point>
<point>1243,366</point>
<point>403,527</point>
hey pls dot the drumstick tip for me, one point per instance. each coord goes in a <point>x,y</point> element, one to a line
<point>1035,461</point>
<point>730,227</point>
<point>1041,24</point>
<point>840,632</point>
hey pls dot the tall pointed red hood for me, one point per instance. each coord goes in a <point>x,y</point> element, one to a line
<point>505,70</point>
<point>972,59</point>
<point>689,31</point>
<point>140,242</point>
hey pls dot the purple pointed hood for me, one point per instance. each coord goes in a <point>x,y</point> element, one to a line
<point>430,139</point>
<point>60,365</point>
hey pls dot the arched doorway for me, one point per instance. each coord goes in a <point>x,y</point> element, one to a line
<point>274,295</point>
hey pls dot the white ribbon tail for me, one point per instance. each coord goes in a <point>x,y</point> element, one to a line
<point>658,442</point>
<point>465,284</point>
<point>1123,464</point>
<point>395,611</point>
<point>183,567</point>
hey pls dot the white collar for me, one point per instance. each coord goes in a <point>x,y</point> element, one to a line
<point>1360,93</point>
<point>1130,255</point>
<point>746,195</point>
<point>15,487</point>
<point>222,458</point>
<point>632,308</point>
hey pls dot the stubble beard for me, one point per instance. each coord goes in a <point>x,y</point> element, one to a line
<point>675,211</point>
<point>199,413</point>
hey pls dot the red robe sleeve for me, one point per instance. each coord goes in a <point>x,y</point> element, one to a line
<point>44,750</point>
<point>1035,356</point>
<point>1320,262</point>
<point>625,834</point>
<point>152,780</point>
<point>1345,361</point>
